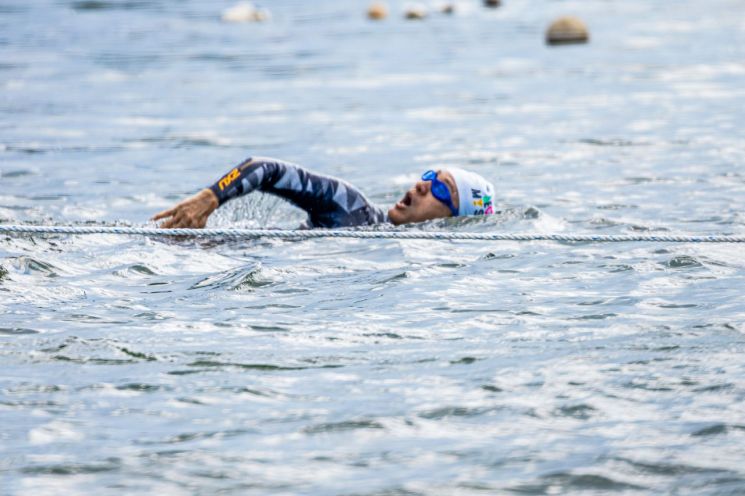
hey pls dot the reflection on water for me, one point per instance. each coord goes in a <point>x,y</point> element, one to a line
<point>372,366</point>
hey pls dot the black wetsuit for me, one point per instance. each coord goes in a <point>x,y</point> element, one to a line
<point>329,202</point>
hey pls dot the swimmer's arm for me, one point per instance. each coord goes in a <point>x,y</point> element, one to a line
<point>194,211</point>
<point>325,198</point>
<point>318,195</point>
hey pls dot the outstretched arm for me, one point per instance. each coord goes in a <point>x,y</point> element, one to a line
<point>328,201</point>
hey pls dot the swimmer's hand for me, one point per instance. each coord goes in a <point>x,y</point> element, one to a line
<point>190,213</point>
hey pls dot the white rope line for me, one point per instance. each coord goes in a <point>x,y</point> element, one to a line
<point>325,233</point>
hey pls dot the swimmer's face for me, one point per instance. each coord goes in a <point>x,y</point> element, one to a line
<point>418,204</point>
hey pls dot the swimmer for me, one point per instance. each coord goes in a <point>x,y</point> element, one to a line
<point>331,202</point>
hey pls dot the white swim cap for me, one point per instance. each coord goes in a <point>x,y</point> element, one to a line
<point>476,194</point>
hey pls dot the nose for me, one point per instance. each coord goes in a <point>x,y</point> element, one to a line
<point>422,187</point>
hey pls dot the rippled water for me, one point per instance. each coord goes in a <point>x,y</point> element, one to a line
<point>373,367</point>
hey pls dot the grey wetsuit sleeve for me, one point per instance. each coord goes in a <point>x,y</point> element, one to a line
<point>329,202</point>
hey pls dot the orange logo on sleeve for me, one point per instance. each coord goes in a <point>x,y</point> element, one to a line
<point>228,179</point>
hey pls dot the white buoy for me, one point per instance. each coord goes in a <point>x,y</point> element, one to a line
<point>245,12</point>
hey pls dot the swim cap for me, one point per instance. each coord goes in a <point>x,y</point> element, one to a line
<point>476,194</point>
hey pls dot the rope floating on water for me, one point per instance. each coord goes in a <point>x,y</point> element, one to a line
<point>325,233</point>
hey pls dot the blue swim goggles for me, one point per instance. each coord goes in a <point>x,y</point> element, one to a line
<point>440,191</point>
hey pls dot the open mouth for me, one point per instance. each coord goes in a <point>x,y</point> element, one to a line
<point>405,201</point>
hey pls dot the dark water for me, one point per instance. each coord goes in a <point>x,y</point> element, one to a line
<point>373,367</point>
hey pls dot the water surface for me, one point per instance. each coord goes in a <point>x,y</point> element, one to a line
<point>373,367</point>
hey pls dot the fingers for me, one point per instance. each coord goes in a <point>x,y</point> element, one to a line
<point>167,224</point>
<point>170,223</point>
<point>181,219</point>
<point>164,214</point>
<point>190,213</point>
<point>174,218</point>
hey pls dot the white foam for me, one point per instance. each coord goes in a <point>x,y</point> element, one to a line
<point>53,432</point>
<point>245,12</point>
<point>405,179</point>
